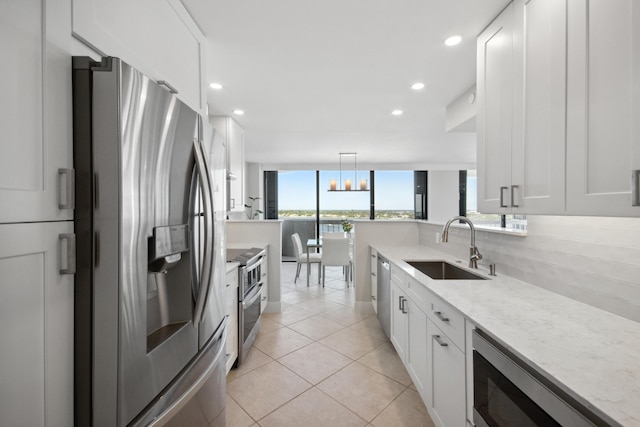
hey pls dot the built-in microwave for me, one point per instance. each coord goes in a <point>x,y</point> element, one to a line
<point>509,392</point>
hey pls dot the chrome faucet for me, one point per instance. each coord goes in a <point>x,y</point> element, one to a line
<point>474,254</point>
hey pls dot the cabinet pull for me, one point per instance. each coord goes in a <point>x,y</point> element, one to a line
<point>440,341</point>
<point>70,238</point>
<point>66,189</point>
<point>167,86</point>
<point>373,297</point>
<point>502,203</point>
<point>373,274</point>
<point>400,303</point>
<point>403,309</point>
<point>440,316</point>
<point>635,187</point>
<point>373,256</point>
<point>513,197</point>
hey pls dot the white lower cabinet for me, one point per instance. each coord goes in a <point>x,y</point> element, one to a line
<point>232,311</point>
<point>417,352</point>
<point>429,336</point>
<point>409,337</point>
<point>447,371</point>
<point>399,321</point>
<point>36,311</point>
<point>374,279</point>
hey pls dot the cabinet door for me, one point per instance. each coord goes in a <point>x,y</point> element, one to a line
<point>157,37</point>
<point>494,117</point>
<point>232,312</point>
<point>264,298</point>
<point>236,166</point>
<point>36,311</point>
<point>603,130</point>
<point>398,321</point>
<point>539,105</point>
<point>447,370</point>
<point>374,280</point>
<point>35,111</point>
<point>417,359</point>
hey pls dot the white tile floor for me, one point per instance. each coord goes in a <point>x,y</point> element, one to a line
<point>320,362</point>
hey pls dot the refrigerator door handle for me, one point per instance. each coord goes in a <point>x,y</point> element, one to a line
<point>207,261</point>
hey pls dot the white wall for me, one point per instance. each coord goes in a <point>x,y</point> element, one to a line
<point>443,194</point>
<point>590,259</point>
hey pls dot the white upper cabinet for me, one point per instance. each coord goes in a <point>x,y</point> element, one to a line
<point>494,117</point>
<point>233,136</point>
<point>559,109</point>
<point>521,114</point>
<point>603,131</point>
<point>540,78</point>
<point>35,112</point>
<point>158,37</point>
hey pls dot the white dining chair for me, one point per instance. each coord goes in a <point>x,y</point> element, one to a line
<point>335,252</point>
<point>301,257</point>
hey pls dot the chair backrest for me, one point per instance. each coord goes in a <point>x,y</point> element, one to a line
<point>297,244</point>
<point>333,235</point>
<point>335,251</point>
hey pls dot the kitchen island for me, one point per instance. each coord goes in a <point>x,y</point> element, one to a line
<point>589,353</point>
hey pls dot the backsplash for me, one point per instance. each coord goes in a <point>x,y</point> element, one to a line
<point>590,259</point>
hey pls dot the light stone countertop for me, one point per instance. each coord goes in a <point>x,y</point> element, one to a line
<point>232,265</point>
<point>590,353</point>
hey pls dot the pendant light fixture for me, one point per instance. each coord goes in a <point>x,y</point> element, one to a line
<point>348,184</point>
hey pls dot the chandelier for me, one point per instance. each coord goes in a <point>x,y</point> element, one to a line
<point>348,184</point>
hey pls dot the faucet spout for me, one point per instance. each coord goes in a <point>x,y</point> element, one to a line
<point>474,253</point>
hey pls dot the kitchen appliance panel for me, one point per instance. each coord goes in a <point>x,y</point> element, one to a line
<point>146,211</point>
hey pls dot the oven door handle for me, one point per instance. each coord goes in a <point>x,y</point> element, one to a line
<point>255,294</point>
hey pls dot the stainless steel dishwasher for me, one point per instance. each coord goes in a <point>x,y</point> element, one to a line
<point>384,291</point>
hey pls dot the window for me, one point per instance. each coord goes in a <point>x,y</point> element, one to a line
<point>394,195</point>
<point>296,194</point>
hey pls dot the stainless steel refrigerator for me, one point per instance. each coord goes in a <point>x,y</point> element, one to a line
<point>150,324</point>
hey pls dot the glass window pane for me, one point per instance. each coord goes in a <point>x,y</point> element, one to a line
<point>394,198</point>
<point>296,194</point>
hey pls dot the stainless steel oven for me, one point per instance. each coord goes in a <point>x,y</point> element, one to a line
<point>508,392</point>
<point>249,293</point>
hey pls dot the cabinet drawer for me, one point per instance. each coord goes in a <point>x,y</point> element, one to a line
<point>450,321</point>
<point>419,293</point>
<point>399,276</point>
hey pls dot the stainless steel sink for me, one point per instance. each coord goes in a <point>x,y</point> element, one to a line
<point>442,270</point>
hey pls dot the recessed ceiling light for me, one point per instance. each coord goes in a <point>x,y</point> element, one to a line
<point>238,112</point>
<point>453,40</point>
<point>417,86</point>
<point>216,86</point>
<point>397,112</point>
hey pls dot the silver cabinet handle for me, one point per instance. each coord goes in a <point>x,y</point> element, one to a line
<point>403,306</point>
<point>513,197</point>
<point>502,203</point>
<point>635,188</point>
<point>373,274</point>
<point>373,256</point>
<point>167,86</point>
<point>66,190</point>
<point>373,297</point>
<point>440,341</point>
<point>400,303</point>
<point>440,316</point>
<point>70,238</point>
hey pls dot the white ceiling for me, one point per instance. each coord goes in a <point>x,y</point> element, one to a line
<point>319,77</point>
